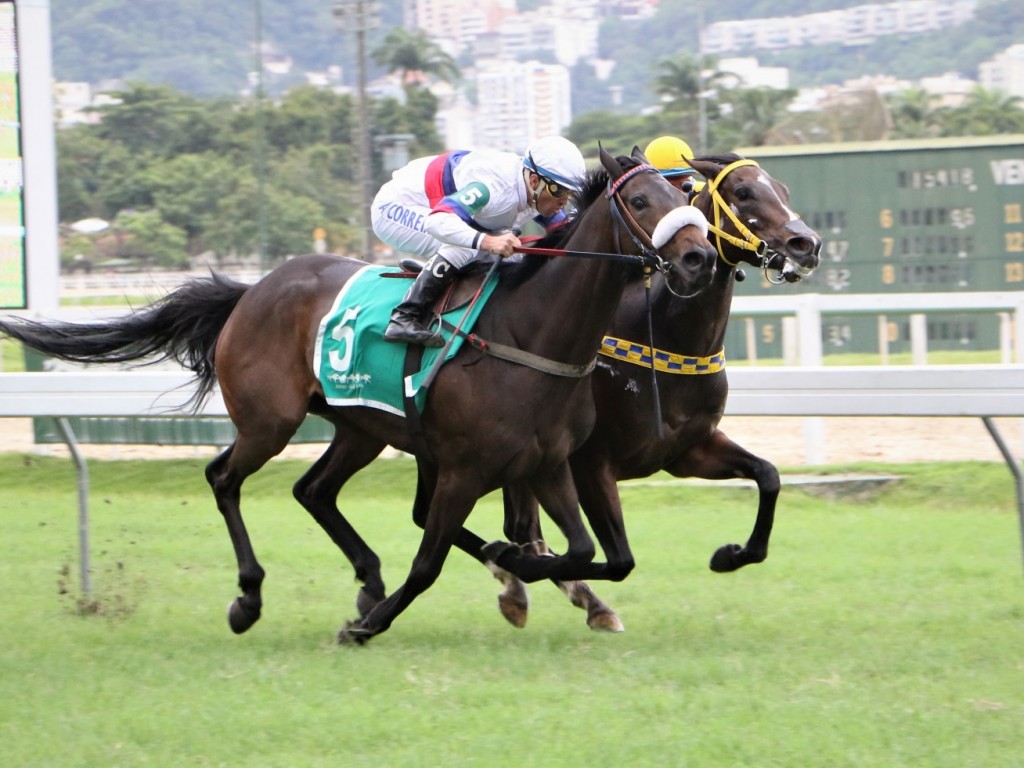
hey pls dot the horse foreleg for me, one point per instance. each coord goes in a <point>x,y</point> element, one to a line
<point>719,458</point>
<point>513,602</point>
<point>557,495</point>
<point>522,526</point>
<point>318,491</point>
<point>450,505</point>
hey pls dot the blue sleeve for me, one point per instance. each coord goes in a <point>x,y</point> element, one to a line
<point>552,222</point>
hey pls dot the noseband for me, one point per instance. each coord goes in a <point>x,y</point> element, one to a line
<point>748,241</point>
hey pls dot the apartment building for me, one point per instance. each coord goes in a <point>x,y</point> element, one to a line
<point>518,102</point>
<point>852,26</point>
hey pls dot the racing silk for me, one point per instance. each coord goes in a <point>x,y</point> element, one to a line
<point>459,195</point>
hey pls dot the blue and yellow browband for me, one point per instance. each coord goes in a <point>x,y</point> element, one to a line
<point>666,362</point>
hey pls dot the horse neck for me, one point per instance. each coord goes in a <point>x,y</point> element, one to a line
<point>564,310</point>
<point>694,325</point>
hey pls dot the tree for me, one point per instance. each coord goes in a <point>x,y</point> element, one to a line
<point>414,55</point>
<point>186,189</point>
<point>144,236</point>
<point>753,113</point>
<point>158,120</point>
<point>617,133</point>
<point>914,114</point>
<point>985,113</point>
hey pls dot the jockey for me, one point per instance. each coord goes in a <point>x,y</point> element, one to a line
<point>453,208</point>
<point>670,156</point>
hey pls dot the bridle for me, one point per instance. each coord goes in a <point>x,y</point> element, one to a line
<point>622,218</point>
<point>772,262</point>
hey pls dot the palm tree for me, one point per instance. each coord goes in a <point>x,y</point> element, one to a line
<point>914,115</point>
<point>414,55</point>
<point>985,113</point>
<point>755,111</point>
<point>678,80</point>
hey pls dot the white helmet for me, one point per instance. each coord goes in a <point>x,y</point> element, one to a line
<point>558,160</point>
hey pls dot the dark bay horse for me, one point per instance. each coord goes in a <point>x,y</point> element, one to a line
<point>751,224</point>
<point>487,422</point>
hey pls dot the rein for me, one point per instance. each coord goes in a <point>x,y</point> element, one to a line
<point>747,241</point>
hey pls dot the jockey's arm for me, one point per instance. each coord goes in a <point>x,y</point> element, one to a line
<point>452,229</point>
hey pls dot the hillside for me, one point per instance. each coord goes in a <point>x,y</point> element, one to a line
<point>207,49</point>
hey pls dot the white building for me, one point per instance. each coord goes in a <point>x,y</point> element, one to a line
<point>747,72</point>
<point>948,90</point>
<point>853,26</point>
<point>1005,72</point>
<point>518,102</point>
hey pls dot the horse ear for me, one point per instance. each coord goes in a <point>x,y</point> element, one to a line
<point>639,156</point>
<point>706,168</point>
<point>610,163</point>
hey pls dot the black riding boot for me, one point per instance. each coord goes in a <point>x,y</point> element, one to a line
<point>407,318</point>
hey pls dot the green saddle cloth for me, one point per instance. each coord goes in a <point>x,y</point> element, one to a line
<point>353,362</point>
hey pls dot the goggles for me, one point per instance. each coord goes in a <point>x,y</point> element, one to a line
<point>555,189</point>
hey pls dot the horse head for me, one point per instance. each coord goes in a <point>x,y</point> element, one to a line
<point>751,219</point>
<point>652,218</point>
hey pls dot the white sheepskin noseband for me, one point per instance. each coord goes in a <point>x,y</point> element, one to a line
<point>676,219</point>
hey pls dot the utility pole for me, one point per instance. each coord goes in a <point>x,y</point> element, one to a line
<point>702,116</point>
<point>358,16</point>
<point>261,146</point>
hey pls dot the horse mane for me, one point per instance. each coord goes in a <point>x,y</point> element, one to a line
<point>594,185</point>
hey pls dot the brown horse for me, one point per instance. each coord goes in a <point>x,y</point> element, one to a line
<point>752,224</point>
<point>487,422</point>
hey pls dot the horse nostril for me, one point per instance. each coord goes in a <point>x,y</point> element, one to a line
<point>694,260</point>
<point>803,246</point>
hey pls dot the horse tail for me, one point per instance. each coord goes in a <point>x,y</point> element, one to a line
<point>183,325</point>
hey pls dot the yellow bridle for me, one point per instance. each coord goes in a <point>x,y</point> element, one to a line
<point>748,241</point>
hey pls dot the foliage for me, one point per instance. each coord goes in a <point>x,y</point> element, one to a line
<point>881,631</point>
<point>144,236</point>
<point>229,178</point>
<point>415,56</point>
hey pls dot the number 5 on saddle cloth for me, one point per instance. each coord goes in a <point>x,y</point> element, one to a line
<point>353,362</point>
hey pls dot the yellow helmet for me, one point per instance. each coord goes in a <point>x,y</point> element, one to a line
<point>669,155</point>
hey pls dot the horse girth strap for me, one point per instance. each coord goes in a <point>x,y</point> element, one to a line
<point>665,362</point>
<point>748,241</point>
<point>522,357</point>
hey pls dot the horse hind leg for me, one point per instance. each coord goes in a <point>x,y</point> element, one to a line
<point>317,491</point>
<point>225,474</point>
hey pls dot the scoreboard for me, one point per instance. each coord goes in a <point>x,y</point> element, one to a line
<point>12,225</point>
<point>942,215</point>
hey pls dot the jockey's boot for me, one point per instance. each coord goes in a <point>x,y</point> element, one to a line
<point>407,318</point>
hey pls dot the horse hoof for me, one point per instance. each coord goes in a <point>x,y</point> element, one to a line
<point>240,618</point>
<point>353,634</point>
<point>605,621</point>
<point>515,611</point>
<point>726,558</point>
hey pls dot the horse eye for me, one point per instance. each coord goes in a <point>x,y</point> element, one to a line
<point>638,202</point>
<point>744,193</point>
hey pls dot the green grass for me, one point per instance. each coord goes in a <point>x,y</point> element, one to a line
<point>119,300</point>
<point>12,358</point>
<point>881,632</point>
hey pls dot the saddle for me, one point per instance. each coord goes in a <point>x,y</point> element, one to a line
<point>459,293</point>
